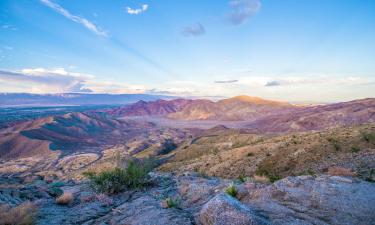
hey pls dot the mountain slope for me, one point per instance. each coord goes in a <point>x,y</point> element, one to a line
<point>154,108</point>
<point>318,117</point>
<point>69,133</point>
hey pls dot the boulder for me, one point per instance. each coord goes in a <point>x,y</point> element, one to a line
<point>225,210</point>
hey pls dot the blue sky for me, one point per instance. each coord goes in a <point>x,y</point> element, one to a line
<point>296,50</point>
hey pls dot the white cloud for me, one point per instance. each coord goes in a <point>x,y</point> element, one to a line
<point>241,10</point>
<point>137,11</point>
<point>194,30</point>
<point>86,23</point>
<point>59,80</point>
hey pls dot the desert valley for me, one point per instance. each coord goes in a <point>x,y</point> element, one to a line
<point>241,160</point>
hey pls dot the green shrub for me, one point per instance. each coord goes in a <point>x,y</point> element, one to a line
<point>172,203</point>
<point>355,149</point>
<point>55,191</point>
<point>242,179</point>
<point>57,184</point>
<point>115,180</point>
<point>231,190</point>
<point>369,137</point>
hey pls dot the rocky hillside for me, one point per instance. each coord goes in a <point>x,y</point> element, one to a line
<point>318,117</point>
<point>191,199</point>
<point>231,153</point>
<point>78,132</point>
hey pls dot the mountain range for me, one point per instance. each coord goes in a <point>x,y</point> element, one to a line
<point>27,99</point>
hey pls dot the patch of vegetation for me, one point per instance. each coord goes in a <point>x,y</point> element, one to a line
<point>250,154</point>
<point>368,137</point>
<point>272,177</point>
<point>115,180</point>
<point>55,191</point>
<point>57,184</point>
<point>231,190</point>
<point>172,203</point>
<point>242,178</point>
<point>335,143</point>
<point>355,149</point>
<point>24,214</point>
<point>201,173</point>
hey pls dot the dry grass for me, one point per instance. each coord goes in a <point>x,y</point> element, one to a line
<point>340,171</point>
<point>65,198</point>
<point>261,179</point>
<point>24,214</point>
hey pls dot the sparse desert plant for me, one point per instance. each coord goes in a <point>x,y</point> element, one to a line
<point>231,190</point>
<point>65,199</point>
<point>335,143</point>
<point>355,149</point>
<point>24,214</point>
<point>340,171</point>
<point>242,178</point>
<point>115,180</point>
<point>170,202</point>
<point>368,137</point>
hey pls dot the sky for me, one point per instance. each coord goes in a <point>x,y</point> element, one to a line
<point>293,50</point>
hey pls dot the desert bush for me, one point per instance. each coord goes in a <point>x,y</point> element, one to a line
<point>115,180</point>
<point>335,143</point>
<point>55,191</point>
<point>355,149</point>
<point>231,190</point>
<point>65,198</point>
<point>24,214</point>
<point>369,137</point>
<point>171,202</point>
<point>340,171</point>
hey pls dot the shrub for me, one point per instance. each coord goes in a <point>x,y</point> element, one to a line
<point>369,137</point>
<point>55,191</point>
<point>340,171</point>
<point>355,149</point>
<point>65,198</point>
<point>242,178</point>
<point>57,184</point>
<point>171,203</point>
<point>24,214</point>
<point>335,143</point>
<point>115,180</point>
<point>231,190</point>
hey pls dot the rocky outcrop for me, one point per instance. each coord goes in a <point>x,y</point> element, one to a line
<point>321,200</point>
<point>225,210</point>
<point>299,200</point>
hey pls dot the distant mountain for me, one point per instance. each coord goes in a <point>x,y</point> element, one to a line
<point>27,99</point>
<point>318,117</point>
<point>232,109</point>
<point>154,108</point>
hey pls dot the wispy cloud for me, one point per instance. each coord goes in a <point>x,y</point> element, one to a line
<point>241,10</point>
<point>86,23</point>
<point>193,30</point>
<point>225,81</point>
<point>137,11</point>
<point>42,80</point>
